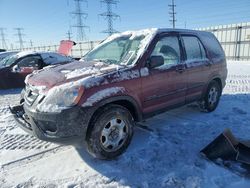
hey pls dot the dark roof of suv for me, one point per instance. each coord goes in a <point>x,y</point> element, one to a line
<point>161,30</point>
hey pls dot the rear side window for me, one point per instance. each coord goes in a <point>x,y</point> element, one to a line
<point>194,48</point>
<point>212,45</point>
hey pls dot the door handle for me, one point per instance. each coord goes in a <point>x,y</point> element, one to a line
<point>208,63</point>
<point>180,69</point>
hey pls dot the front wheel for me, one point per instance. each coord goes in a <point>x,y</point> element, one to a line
<point>211,98</point>
<point>111,133</point>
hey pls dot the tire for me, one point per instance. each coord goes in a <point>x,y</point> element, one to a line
<point>111,133</point>
<point>212,97</point>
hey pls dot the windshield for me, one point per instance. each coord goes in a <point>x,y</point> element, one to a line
<point>8,61</point>
<point>120,51</point>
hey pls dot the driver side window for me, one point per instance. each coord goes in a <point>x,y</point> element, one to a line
<point>31,61</point>
<point>168,48</point>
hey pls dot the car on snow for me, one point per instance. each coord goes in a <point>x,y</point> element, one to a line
<point>15,67</point>
<point>127,78</point>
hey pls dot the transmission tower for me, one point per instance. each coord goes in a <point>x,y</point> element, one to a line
<point>20,37</point>
<point>80,18</point>
<point>172,13</point>
<point>2,34</point>
<point>109,16</point>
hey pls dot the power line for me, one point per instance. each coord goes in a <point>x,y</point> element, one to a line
<point>110,16</point>
<point>80,17</point>
<point>20,37</point>
<point>4,45</point>
<point>172,14</point>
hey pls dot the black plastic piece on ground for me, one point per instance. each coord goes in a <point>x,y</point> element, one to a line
<point>243,154</point>
<point>222,147</point>
<point>228,148</point>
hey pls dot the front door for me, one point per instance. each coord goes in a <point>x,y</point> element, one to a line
<point>165,86</point>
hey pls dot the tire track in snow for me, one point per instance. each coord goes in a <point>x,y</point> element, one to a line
<point>23,142</point>
<point>34,157</point>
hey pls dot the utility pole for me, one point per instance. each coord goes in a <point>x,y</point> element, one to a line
<point>69,35</point>
<point>20,37</point>
<point>172,14</point>
<point>11,46</point>
<point>109,16</point>
<point>80,17</point>
<point>31,43</point>
<point>2,34</point>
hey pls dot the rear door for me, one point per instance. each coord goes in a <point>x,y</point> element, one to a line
<point>198,66</point>
<point>165,86</point>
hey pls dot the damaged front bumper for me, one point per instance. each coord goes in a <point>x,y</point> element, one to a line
<point>65,127</point>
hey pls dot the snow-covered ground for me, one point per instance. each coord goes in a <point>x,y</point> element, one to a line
<point>164,155</point>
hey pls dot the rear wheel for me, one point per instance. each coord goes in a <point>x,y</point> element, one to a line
<point>212,97</point>
<point>112,130</point>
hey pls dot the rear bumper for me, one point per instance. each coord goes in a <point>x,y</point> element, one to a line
<point>66,127</point>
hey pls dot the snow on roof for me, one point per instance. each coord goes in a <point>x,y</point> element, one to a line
<point>24,53</point>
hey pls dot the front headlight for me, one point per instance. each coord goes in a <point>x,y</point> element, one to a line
<point>60,98</point>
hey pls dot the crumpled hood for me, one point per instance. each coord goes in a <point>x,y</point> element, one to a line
<point>56,75</point>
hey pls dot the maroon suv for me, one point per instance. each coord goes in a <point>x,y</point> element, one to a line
<point>127,78</point>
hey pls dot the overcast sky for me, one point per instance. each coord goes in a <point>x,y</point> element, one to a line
<point>46,22</point>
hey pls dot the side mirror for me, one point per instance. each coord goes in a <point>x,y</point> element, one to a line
<point>155,61</point>
<point>15,69</point>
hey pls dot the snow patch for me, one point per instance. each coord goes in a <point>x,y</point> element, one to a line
<point>24,53</point>
<point>93,81</point>
<point>81,72</point>
<point>97,69</point>
<point>144,72</point>
<point>102,94</point>
<point>126,75</point>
